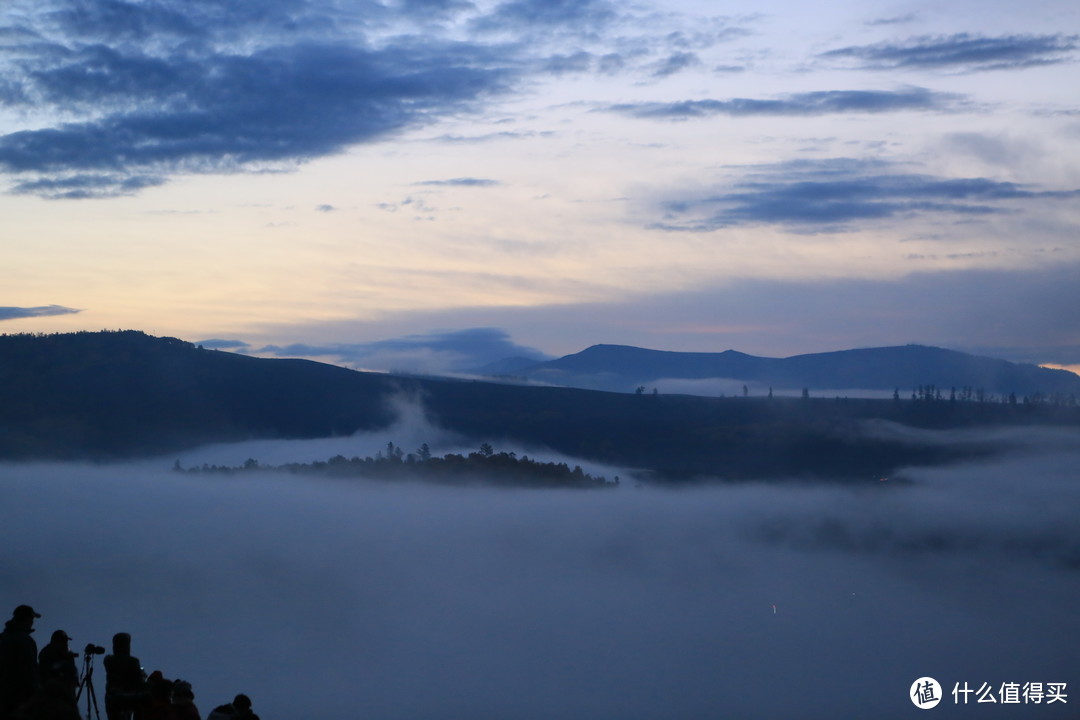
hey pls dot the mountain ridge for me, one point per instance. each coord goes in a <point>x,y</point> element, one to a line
<point>902,368</point>
<point>117,395</point>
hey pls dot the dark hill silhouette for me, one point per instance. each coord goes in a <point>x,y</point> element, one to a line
<point>506,366</point>
<point>114,394</point>
<point>124,394</point>
<point>622,368</point>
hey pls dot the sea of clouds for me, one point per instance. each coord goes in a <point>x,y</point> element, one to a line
<point>332,598</point>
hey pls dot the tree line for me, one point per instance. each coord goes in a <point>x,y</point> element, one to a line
<point>967,394</point>
<point>484,466</point>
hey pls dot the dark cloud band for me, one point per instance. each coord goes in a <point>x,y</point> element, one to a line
<point>548,15</point>
<point>461,182</point>
<point>834,194</point>
<point>16,313</point>
<point>962,51</point>
<point>227,113</point>
<point>149,91</point>
<point>826,102</point>
<point>442,351</point>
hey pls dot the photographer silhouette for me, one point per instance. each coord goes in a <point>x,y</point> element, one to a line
<point>57,660</point>
<point>125,682</point>
<point>19,678</point>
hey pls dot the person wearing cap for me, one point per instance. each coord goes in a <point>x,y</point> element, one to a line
<point>57,660</point>
<point>19,678</point>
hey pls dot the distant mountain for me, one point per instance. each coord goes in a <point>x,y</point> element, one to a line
<point>623,368</point>
<point>110,395</point>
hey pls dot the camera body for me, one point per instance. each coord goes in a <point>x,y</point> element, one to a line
<point>92,649</point>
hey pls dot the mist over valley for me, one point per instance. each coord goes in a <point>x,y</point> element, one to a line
<point>751,563</point>
<point>338,598</point>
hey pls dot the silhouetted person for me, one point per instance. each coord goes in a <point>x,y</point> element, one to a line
<point>158,704</point>
<point>183,702</point>
<point>19,678</point>
<point>240,707</point>
<point>57,660</point>
<point>52,701</point>
<point>124,680</point>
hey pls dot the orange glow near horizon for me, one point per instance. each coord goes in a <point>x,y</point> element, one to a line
<point>1075,369</point>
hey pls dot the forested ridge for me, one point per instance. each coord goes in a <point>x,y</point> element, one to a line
<point>110,395</point>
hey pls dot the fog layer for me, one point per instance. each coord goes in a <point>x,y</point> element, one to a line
<point>344,599</point>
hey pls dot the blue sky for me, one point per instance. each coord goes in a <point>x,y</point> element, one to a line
<point>431,183</point>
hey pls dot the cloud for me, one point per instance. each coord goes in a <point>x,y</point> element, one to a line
<point>449,351</point>
<point>578,62</point>
<point>420,209</point>
<point>461,182</point>
<point>149,91</point>
<point>86,186</point>
<point>702,39</point>
<point>825,102</point>
<point>437,8</point>
<point>895,20</point>
<point>16,313</point>
<point>578,16</point>
<point>675,63</point>
<point>635,603</point>
<point>834,194</point>
<point>964,52</point>
<point>1023,314</point>
<point>125,96</point>
<point>491,137</point>
<point>997,150</point>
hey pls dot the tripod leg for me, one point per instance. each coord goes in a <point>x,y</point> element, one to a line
<point>83,677</point>
<point>92,696</point>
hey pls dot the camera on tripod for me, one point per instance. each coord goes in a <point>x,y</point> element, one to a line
<point>86,681</point>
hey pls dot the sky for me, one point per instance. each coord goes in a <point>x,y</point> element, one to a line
<point>435,184</point>
<point>343,599</point>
